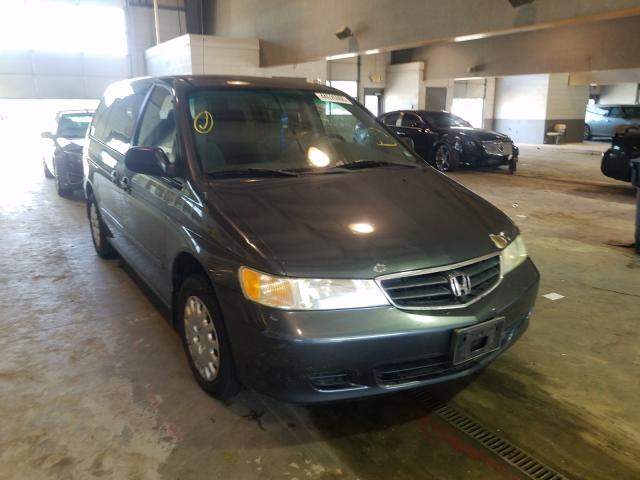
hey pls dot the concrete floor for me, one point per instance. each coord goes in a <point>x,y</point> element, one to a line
<point>94,383</point>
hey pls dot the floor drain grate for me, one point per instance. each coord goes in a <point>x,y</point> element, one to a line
<point>511,454</point>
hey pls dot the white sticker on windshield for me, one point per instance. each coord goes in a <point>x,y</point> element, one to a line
<point>332,97</point>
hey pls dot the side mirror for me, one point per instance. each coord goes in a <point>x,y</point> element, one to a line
<point>408,141</point>
<point>48,135</point>
<point>148,160</point>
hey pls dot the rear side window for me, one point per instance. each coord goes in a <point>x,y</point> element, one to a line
<point>391,119</point>
<point>116,115</point>
<point>411,120</point>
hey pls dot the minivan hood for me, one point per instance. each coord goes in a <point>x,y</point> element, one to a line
<point>419,219</point>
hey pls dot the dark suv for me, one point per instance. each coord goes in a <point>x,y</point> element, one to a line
<point>302,248</point>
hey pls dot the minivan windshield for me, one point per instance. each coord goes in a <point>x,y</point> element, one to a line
<point>73,126</point>
<point>255,130</point>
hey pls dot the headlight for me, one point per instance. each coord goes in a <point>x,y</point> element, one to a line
<point>309,294</point>
<point>513,255</point>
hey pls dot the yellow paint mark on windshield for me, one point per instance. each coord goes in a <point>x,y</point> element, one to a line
<point>203,122</point>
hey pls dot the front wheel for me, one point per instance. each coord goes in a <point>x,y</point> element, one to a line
<point>205,339</point>
<point>61,189</point>
<point>47,172</point>
<point>99,231</point>
<point>587,132</point>
<point>513,165</point>
<point>445,158</point>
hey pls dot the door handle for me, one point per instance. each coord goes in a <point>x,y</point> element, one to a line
<point>125,184</point>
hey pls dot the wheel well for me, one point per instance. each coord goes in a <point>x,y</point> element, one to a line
<point>184,265</point>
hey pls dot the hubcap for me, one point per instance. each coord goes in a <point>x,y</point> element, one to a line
<point>202,338</point>
<point>442,159</point>
<point>94,222</point>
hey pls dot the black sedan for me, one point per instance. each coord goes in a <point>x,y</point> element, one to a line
<point>448,142</point>
<point>62,158</point>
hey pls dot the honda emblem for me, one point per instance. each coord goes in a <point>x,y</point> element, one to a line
<point>460,284</point>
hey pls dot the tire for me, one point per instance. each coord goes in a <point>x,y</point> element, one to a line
<point>47,172</point>
<point>513,165</point>
<point>60,189</point>
<point>204,338</point>
<point>587,132</point>
<point>445,160</point>
<point>99,231</point>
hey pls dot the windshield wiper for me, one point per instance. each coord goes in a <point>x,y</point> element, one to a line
<point>372,164</point>
<point>252,172</point>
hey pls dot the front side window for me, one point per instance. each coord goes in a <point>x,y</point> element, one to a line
<point>287,129</point>
<point>158,126</point>
<point>117,114</point>
<point>615,112</point>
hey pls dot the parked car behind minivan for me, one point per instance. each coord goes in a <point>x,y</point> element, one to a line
<point>302,248</point>
<point>62,156</point>
<point>605,120</point>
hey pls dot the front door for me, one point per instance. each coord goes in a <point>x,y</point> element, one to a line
<point>148,199</point>
<point>412,126</point>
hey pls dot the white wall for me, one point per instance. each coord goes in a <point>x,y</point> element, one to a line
<point>565,101</point>
<point>521,106</point>
<point>373,65</point>
<point>141,32</point>
<point>404,86</point>
<point>622,93</point>
<point>56,75</point>
<point>205,54</point>
<point>38,74</point>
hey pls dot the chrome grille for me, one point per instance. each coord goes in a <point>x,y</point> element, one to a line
<point>498,148</point>
<point>431,289</point>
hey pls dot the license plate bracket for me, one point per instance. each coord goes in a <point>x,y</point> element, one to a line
<point>477,340</point>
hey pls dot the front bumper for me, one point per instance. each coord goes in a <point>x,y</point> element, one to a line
<point>69,170</point>
<point>479,157</point>
<point>328,356</point>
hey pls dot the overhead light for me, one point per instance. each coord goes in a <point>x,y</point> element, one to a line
<point>341,55</point>
<point>466,38</point>
<point>237,82</point>
<point>372,52</point>
<point>362,228</point>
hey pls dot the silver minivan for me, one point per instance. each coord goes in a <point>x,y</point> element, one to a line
<point>603,120</point>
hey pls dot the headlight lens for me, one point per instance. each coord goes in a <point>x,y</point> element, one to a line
<point>309,294</point>
<point>513,255</point>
